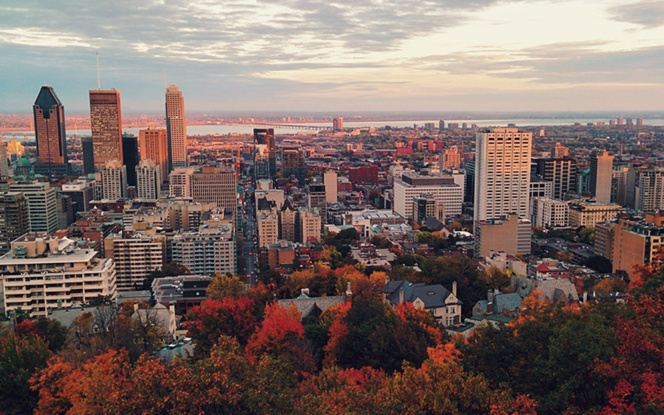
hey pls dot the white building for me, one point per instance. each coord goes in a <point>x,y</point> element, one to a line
<point>135,258</point>
<point>113,180</point>
<point>268,228</point>
<point>42,272</point>
<point>550,213</point>
<point>148,180</point>
<point>310,225</point>
<point>42,206</point>
<point>502,173</point>
<point>442,188</point>
<point>210,251</point>
<point>330,180</point>
<point>649,192</point>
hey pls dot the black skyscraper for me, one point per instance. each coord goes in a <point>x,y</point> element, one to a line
<point>130,157</point>
<point>88,155</point>
<point>265,165</point>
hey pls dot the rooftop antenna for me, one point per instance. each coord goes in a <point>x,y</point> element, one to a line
<point>98,78</point>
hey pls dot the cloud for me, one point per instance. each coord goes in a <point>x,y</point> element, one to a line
<point>648,13</point>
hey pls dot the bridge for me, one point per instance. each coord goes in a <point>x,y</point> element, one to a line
<point>279,125</point>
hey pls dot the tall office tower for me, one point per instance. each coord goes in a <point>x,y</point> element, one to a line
<point>4,162</point>
<point>502,173</point>
<point>562,172</point>
<point>469,189</point>
<point>49,115</point>
<point>559,151</point>
<point>106,124</point>
<point>42,208</point>
<point>215,185</point>
<point>265,137</point>
<point>317,199</point>
<point>338,124</point>
<point>441,124</point>
<point>113,180</point>
<point>621,120</point>
<point>180,182</point>
<point>292,159</point>
<point>88,155</point>
<point>148,179</point>
<point>130,157</point>
<point>649,192</point>
<point>330,180</point>
<point>177,129</point>
<point>154,146</point>
<point>601,168</point>
<point>14,219</point>
<point>451,159</point>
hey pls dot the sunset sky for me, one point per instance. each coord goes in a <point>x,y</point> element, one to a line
<point>399,55</point>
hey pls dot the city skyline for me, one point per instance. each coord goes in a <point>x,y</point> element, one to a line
<point>483,55</point>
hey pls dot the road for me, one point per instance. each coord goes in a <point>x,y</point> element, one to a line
<point>250,238</point>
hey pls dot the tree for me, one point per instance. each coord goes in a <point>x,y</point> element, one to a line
<point>587,235</point>
<point>20,357</point>
<point>222,286</point>
<point>599,264</point>
<point>214,318</point>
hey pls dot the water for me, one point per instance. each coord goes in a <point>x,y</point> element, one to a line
<point>212,129</point>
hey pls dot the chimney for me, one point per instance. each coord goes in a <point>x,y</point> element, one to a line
<point>348,290</point>
<point>585,297</point>
<point>454,288</point>
<point>171,307</point>
<point>400,295</point>
<point>135,306</point>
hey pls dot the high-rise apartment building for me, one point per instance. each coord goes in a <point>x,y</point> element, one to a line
<point>215,185</point>
<point>42,208</point>
<point>265,154</point>
<point>130,157</point>
<point>502,173</point>
<point>113,177</point>
<point>154,146</point>
<point>287,222</point>
<point>316,199</point>
<point>450,159</point>
<point>180,182</point>
<point>49,117</point>
<point>601,173</point>
<point>649,190</point>
<point>559,151</point>
<point>562,172</point>
<point>176,126</point>
<point>14,219</point>
<point>106,124</point>
<point>338,124</point>
<point>268,228</point>
<point>135,257</point>
<point>292,160</point>
<point>148,180</point>
<point>207,252</point>
<point>310,225</point>
<point>330,180</point>
<point>549,213</point>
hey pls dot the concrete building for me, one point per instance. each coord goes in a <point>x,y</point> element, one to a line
<point>281,253</point>
<point>450,159</point>
<point>41,273</point>
<point>14,218</point>
<point>288,222</point>
<point>601,168</point>
<point>317,199</point>
<point>88,155</point>
<point>130,157</point>
<point>148,180</point>
<point>106,125</point>
<point>583,213</point>
<point>42,207</point>
<point>330,181</point>
<point>649,190</point>
<point>268,228</point>
<point>292,160</point>
<point>180,182</point>
<point>176,127</point>
<point>81,193</point>
<point>442,188</point>
<point>49,118</point>
<point>207,252</point>
<point>338,124</point>
<point>135,257</point>
<point>562,172</point>
<point>623,186</point>
<point>559,151</point>
<point>154,146</point>
<point>113,177</point>
<point>265,154</point>
<point>310,225</point>
<point>509,234</point>
<point>425,206</point>
<point>550,213</point>
<point>273,197</point>
<point>184,214</point>
<point>215,185</point>
<point>502,173</point>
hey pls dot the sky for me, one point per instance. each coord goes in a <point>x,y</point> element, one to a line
<point>330,55</point>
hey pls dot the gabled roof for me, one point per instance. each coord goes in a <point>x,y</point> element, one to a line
<point>433,296</point>
<point>543,268</point>
<point>305,304</point>
<point>509,301</point>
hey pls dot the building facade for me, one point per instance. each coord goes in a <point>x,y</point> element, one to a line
<point>49,118</point>
<point>14,219</point>
<point>154,146</point>
<point>176,127</point>
<point>42,207</point>
<point>601,173</point>
<point>106,125</point>
<point>148,180</point>
<point>135,258</point>
<point>442,188</point>
<point>113,176</point>
<point>207,252</point>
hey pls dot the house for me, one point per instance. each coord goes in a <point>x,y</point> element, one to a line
<point>443,304</point>
<point>498,303</point>
<point>309,306</point>
<point>161,316</point>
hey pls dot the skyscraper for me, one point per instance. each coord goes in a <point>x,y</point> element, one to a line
<point>264,147</point>
<point>148,178</point>
<point>177,129</point>
<point>601,173</point>
<point>338,124</point>
<point>88,155</point>
<point>154,146</point>
<point>502,173</point>
<point>49,115</point>
<point>113,180</point>
<point>130,157</point>
<point>106,124</point>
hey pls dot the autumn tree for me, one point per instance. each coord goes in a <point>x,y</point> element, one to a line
<point>223,285</point>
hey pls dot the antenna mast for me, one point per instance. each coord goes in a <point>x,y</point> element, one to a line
<point>98,78</point>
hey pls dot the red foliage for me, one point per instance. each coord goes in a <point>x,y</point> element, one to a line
<point>214,318</point>
<point>26,327</point>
